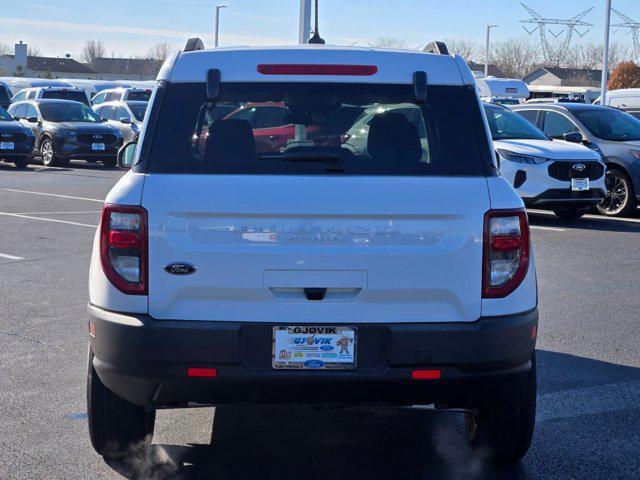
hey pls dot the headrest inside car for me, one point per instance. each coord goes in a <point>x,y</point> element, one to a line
<point>230,141</point>
<point>393,136</point>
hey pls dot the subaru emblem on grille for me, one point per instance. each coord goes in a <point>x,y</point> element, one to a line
<point>579,167</point>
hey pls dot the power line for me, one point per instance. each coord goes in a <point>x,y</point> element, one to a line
<point>556,54</point>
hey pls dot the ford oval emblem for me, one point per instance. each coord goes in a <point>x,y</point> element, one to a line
<point>314,364</point>
<point>579,167</point>
<point>180,268</point>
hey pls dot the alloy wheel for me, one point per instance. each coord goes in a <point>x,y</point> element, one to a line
<point>47,152</point>
<point>617,192</point>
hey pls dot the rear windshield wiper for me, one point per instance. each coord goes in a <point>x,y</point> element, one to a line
<point>303,157</point>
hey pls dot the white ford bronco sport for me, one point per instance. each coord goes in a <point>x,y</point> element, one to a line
<point>278,260</point>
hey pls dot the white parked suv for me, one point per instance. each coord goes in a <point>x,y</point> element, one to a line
<point>53,93</point>
<point>308,272</point>
<point>122,94</point>
<point>564,176</point>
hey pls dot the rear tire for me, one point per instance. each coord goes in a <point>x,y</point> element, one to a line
<point>571,213</point>
<point>110,163</point>
<point>117,428</point>
<point>621,196</point>
<point>502,428</point>
<point>21,163</point>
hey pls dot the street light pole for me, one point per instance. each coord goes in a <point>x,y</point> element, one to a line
<point>304,27</point>
<point>605,61</point>
<point>486,52</point>
<point>218,8</point>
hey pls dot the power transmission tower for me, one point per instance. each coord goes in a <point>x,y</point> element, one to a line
<point>634,28</point>
<point>556,54</point>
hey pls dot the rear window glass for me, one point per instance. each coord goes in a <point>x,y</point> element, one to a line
<point>66,95</point>
<point>139,95</point>
<point>311,128</point>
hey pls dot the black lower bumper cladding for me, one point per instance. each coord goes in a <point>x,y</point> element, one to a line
<point>145,361</point>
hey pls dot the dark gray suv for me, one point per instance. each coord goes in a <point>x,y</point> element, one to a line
<point>609,131</point>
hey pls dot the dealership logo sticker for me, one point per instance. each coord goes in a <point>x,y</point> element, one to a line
<point>579,167</point>
<point>180,268</point>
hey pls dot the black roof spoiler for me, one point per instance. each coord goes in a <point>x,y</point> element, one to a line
<point>194,44</point>
<point>439,48</point>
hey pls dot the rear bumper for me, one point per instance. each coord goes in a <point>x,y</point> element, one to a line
<point>145,361</point>
<point>564,197</point>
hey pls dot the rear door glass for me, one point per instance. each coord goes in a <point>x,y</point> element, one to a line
<point>355,129</point>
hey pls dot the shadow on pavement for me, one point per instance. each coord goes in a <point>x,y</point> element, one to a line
<point>296,442</point>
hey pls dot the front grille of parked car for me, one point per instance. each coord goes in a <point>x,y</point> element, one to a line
<point>13,137</point>
<point>565,171</point>
<point>90,138</point>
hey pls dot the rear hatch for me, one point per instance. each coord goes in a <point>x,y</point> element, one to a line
<point>317,232</point>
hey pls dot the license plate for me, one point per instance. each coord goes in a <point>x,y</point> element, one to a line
<point>97,146</point>
<point>579,184</point>
<point>7,146</point>
<point>314,348</point>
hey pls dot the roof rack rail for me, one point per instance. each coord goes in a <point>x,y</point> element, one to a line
<point>439,48</point>
<point>193,44</point>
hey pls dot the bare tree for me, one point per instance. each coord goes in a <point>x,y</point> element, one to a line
<point>91,50</point>
<point>589,56</point>
<point>466,48</point>
<point>515,57</point>
<point>160,51</point>
<point>389,42</point>
<point>33,51</point>
<point>4,48</point>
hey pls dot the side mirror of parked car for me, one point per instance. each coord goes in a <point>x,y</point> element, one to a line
<point>125,120</point>
<point>573,137</point>
<point>32,119</point>
<point>126,154</point>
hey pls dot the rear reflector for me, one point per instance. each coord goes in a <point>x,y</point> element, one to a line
<point>92,329</point>
<point>202,372</point>
<point>314,69</point>
<point>431,374</point>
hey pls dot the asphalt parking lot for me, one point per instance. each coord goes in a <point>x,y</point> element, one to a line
<point>588,423</point>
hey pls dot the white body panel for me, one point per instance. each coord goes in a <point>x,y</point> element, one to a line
<point>240,65</point>
<point>538,179</point>
<point>525,297</point>
<point>388,249</point>
<point>128,191</point>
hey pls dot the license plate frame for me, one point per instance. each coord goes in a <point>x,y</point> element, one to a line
<point>579,184</point>
<point>7,146</point>
<point>318,347</point>
<point>98,147</point>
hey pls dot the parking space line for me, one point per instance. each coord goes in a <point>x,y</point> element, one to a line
<point>8,214</point>
<point>552,229</point>
<point>10,257</point>
<point>590,217</point>
<point>53,195</point>
<point>58,213</point>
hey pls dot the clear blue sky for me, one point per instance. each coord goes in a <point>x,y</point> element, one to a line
<point>129,27</point>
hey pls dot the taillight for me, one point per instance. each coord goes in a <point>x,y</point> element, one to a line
<point>506,252</point>
<point>123,247</point>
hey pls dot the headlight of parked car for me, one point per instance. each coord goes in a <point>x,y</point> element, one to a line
<point>519,158</point>
<point>635,154</point>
